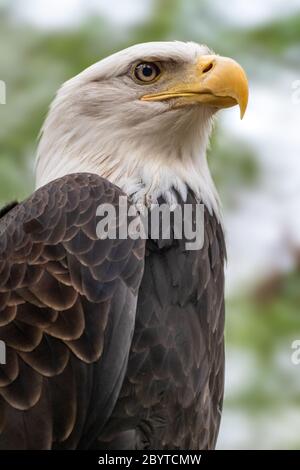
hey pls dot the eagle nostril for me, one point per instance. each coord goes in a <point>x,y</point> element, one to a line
<point>208,67</point>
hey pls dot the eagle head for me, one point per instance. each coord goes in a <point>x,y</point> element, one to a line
<point>142,119</point>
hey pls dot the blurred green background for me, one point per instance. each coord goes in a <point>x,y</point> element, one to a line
<point>256,165</point>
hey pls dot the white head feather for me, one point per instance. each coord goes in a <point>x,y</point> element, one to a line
<point>97,123</point>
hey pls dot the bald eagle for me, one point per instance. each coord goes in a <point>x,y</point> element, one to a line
<point>118,343</point>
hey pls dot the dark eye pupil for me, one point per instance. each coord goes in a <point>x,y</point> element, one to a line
<point>147,70</point>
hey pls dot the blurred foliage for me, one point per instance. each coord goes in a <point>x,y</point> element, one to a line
<point>34,63</point>
<point>276,298</point>
<point>232,164</point>
<point>277,36</point>
<point>261,327</point>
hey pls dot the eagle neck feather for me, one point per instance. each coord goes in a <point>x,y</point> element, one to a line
<point>144,164</point>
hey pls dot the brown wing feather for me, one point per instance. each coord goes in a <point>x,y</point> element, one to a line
<point>67,310</point>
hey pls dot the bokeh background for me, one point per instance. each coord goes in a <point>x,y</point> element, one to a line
<point>256,165</point>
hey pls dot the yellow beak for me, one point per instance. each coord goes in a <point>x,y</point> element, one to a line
<point>217,81</point>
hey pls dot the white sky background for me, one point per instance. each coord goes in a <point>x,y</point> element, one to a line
<point>63,13</point>
<point>267,219</point>
<point>253,12</point>
<point>260,223</point>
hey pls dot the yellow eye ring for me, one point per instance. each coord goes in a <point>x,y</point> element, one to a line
<point>146,72</point>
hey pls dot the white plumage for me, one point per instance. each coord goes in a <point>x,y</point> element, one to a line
<point>98,124</point>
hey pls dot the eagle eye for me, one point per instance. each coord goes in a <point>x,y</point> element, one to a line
<point>146,72</point>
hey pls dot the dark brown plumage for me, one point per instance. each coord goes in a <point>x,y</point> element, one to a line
<point>173,391</point>
<point>66,322</point>
<point>68,314</point>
